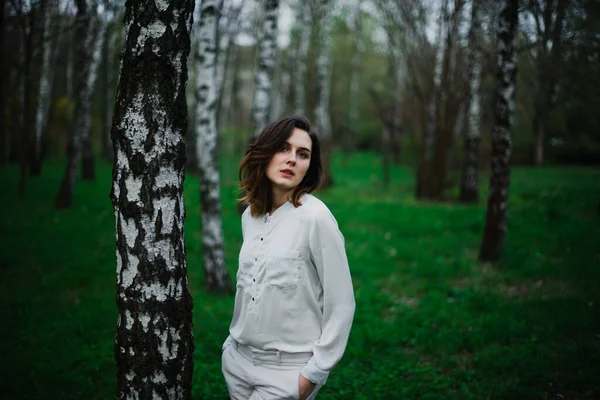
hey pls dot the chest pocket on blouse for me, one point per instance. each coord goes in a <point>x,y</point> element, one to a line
<point>282,268</point>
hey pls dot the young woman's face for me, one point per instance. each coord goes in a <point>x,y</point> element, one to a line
<point>289,165</point>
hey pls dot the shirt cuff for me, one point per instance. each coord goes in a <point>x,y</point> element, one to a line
<point>314,373</point>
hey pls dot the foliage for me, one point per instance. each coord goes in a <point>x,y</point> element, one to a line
<point>431,322</point>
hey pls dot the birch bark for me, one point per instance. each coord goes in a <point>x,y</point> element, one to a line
<point>88,171</point>
<point>304,16</point>
<point>494,232</point>
<point>424,168</point>
<point>49,8</point>
<point>322,112</point>
<point>469,181</point>
<point>267,48</point>
<point>207,152</point>
<point>353,101</point>
<point>154,339</point>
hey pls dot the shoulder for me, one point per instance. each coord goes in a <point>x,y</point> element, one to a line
<point>315,210</point>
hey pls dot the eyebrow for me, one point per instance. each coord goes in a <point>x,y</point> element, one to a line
<point>301,148</point>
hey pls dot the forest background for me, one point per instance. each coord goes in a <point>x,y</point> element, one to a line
<point>405,95</point>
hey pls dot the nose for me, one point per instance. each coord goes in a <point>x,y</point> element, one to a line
<point>292,158</point>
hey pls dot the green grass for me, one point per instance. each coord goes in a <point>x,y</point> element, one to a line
<point>431,321</point>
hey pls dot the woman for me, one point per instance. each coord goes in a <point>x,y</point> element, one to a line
<point>294,301</point>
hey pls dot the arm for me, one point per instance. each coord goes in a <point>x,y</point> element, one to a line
<point>329,256</point>
<point>229,339</point>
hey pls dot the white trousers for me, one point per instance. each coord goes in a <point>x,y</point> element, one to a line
<point>253,374</point>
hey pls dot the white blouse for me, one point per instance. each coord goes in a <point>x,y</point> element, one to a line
<point>294,290</point>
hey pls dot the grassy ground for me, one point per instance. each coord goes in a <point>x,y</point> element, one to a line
<point>431,321</point>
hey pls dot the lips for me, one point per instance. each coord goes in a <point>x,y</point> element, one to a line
<point>287,172</point>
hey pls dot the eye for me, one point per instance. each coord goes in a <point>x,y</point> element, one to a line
<point>284,149</point>
<point>304,156</point>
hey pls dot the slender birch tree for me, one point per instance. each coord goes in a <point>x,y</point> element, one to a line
<point>469,181</point>
<point>303,12</point>
<point>494,233</point>
<point>207,151</point>
<point>47,44</point>
<point>154,338</point>
<point>433,109</point>
<point>88,171</point>
<point>108,78</point>
<point>448,104</point>
<point>83,46</point>
<point>322,110</point>
<point>267,49</point>
<point>549,18</point>
<point>354,90</point>
<point>228,28</point>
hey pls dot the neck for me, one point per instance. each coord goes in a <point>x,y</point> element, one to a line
<point>279,199</point>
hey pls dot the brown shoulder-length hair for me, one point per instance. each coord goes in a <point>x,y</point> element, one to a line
<point>257,188</point>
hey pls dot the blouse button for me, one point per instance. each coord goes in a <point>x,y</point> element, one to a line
<point>261,239</point>
<point>253,299</point>
<point>253,280</point>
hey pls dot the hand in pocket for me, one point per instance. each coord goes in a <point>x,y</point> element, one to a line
<point>305,387</point>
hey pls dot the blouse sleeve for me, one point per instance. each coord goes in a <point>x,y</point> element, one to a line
<point>326,245</point>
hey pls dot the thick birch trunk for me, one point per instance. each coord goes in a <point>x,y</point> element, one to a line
<point>424,168</point>
<point>322,113</point>
<point>88,171</point>
<point>83,43</point>
<point>45,85</point>
<point>207,151</point>
<point>302,58</point>
<point>267,49</point>
<point>469,180</point>
<point>496,218</point>
<point>154,339</point>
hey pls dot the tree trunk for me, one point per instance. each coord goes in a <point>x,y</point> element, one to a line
<point>348,140</point>
<point>446,119</point>
<point>28,31</point>
<point>207,151</point>
<point>267,49</point>
<point>496,218</point>
<point>81,124</point>
<point>469,181</point>
<point>45,85</point>
<point>322,113</point>
<point>301,61</point>
<point>154,338</point>
<point>88,170</point>
<point>549,64</point>
<point>397,118</point>
<point>228,29</point>
<point>228,84</point>
<point>107,93</point>
<point>424,173</point>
